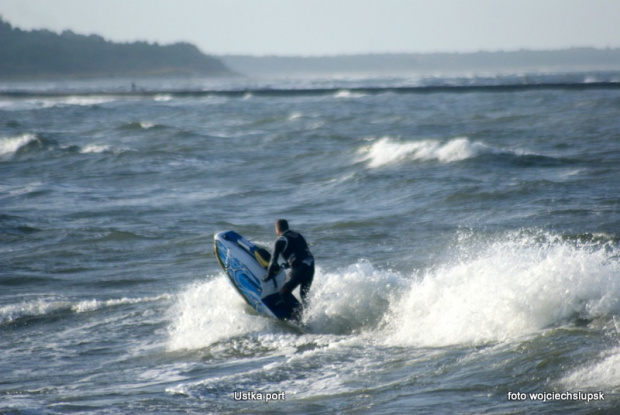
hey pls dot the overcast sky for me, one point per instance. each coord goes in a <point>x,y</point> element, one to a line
<point>330,27</point>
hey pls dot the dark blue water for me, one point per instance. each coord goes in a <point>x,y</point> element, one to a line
<point>467,242</point>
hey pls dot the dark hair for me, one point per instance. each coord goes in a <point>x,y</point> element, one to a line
<point>282,225</point>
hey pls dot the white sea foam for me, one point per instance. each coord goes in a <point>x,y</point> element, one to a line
<point>83,101</point>
<point>147,125</point>
<point>354,299</point>
<point>42,307</point>
<point>295,116</point>
<point>387,151</point>
<point>162,97</point>
<point>93,305</point>
<point>103,148</point>
<point>602,375</point>
<point>350,300</point>
<point>346,94</point>
<point>208,312</point>
<point>10,145</point>
<point>76,100</point>
<point>95,148</point>
<point>506,289</point>
<point>273,374</point>
<point>495,291</point>
<point>39,103</point>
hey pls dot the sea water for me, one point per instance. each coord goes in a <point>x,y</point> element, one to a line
<point>467,245</point>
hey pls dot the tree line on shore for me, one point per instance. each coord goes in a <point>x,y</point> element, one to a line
<point>45,54</point>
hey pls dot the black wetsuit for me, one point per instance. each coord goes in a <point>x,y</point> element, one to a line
<point>294,249</point>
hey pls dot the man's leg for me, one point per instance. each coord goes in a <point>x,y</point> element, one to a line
<point>304,289</point>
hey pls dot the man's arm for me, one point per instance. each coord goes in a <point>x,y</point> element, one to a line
<point>273,268</point>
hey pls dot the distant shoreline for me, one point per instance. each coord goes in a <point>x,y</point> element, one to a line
<point>41,55</point>
<point>564,60</point>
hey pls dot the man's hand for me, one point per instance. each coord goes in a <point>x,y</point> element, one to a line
<point>272,271</point>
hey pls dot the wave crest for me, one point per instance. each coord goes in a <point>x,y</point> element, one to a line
<point>387,151</point>
<point>602,374</point>
<point>11,145</point>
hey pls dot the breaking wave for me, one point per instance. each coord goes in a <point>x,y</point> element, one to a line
<point>95,148</point>
<point>387,151</point>
<point>508,288</point>
<point>206,313</point>
<point>494,291</point>
<point>603,374</point>
<point>11,145</point>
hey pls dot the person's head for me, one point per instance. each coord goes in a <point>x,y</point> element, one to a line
<point>281,226</point>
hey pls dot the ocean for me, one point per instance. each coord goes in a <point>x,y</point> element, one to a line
<point>466,232</point>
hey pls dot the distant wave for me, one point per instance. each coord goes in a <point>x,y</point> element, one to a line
<point>387,151</point>
<point>52,98</point>
<point>95,148</point>
<point>29,100</point>
<point>141,125</point>
<point>348,94</point>
<point>42,308</point>
<point>11,145</point>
